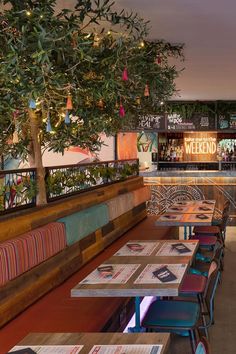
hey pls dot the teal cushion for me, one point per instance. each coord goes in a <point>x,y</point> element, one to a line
<point>174,314</point>
<point>83,223</point>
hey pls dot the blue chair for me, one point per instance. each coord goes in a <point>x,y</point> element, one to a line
<point>178,316</point>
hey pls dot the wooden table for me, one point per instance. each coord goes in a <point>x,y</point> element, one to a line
<point>192,207</point>
<point>91,339</point>
<point>188,214</point>
<point>135,286</point>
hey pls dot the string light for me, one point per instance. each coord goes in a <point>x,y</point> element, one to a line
<point>141,44</point>
<point>161,103</point>
<point>28,13</point>
<point>108,32</point>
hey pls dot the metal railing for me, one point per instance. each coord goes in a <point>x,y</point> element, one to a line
<point>67,180</point>
<point>17,189</point>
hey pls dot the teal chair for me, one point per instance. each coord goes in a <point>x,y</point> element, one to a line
<point>180,316</point>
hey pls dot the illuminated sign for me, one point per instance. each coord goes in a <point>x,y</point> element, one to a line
<point>200,146</point>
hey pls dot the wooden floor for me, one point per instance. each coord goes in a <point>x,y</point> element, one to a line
<point>58,312</point>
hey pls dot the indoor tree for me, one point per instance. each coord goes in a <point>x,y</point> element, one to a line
<point>68,76</point>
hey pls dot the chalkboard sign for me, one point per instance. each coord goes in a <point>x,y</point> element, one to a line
<point>152,122</point>
<point>227,121</point>
<point>198,121</point>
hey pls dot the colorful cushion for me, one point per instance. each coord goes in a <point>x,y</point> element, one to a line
<point>213,230</point>
<point>28,250</point>
<point>84,222</point>
<point>120,205</point>
<point>205,240</point>
<point>193,284</point>
<point>180,314</point>
<point>141,195</point>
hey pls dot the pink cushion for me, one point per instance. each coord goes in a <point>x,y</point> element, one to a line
<point>205,240</point>
<point>193,283</point>
<point>141,195</point>
<point>213,230</point>
<point>24,252</point>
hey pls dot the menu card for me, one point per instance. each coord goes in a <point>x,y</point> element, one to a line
<point>136,248</point>
<point>126,349</point>
<point>111,274</point>
<point>161,274</point>
<point>47,349</point>
<point>177,249</point>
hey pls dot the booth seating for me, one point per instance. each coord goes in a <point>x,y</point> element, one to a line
<point>22,253</point>
<point>44,246</point>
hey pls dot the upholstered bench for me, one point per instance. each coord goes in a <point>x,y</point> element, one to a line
<point>24,252</point>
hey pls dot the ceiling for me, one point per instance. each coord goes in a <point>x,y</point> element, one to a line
<point>207,28</point>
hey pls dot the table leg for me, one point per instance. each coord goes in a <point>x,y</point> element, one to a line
<point>190,230</point>
<point>137,327</point>
<point>185,233</point>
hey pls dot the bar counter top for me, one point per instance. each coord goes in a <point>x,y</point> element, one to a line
<point>193,173</point>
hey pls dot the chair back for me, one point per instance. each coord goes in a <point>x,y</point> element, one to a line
<point>202,347</point>
<point>211,286</point>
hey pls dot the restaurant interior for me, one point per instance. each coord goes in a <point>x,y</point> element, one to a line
<point>117,177</point>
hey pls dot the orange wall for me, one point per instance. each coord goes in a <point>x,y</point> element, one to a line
<point>126,146</point>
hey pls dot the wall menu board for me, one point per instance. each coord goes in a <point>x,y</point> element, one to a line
<point>198,121</point>
<point>152,122</point>
<point>225,122</point>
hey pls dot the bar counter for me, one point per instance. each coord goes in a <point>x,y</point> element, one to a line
<point>172,185</point>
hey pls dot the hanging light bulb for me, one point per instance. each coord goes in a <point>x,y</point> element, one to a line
<point>67,118</point>
<point>32,104</point>
<point>48,127</point>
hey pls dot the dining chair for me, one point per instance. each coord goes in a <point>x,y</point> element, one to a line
<point>176,316</point>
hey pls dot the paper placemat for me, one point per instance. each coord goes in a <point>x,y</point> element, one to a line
<point>120,274</point>
<point>177,209</point>
<point>126,349</point>
<point>199,217</point>
<point>170,217</point>
<point>50,349</point>
<point>147,276</point>
<point>136,248</point>
<point>167,249</point>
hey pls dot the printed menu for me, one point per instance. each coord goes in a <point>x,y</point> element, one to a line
<point>126,349</point>
<point>111,274</point>
<point>177,249</point>
<point>137,248</point>
<point>161,274</point>
<point>47,349</point>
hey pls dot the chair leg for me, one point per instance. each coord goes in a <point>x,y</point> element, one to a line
<point>192,340</point>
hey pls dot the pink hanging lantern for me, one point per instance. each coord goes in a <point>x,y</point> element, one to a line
<point>125,75</point>
<point>121,111</point>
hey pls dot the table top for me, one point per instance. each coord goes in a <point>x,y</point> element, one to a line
<point>136,249</point>
<point>88,340</point>
<point>192,207</point>
<point>172,219</point>
<point>133,276</point>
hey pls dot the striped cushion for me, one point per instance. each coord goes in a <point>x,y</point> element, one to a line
<point>120,205</point>
<point>141,195</point>
<point>28,250</point>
